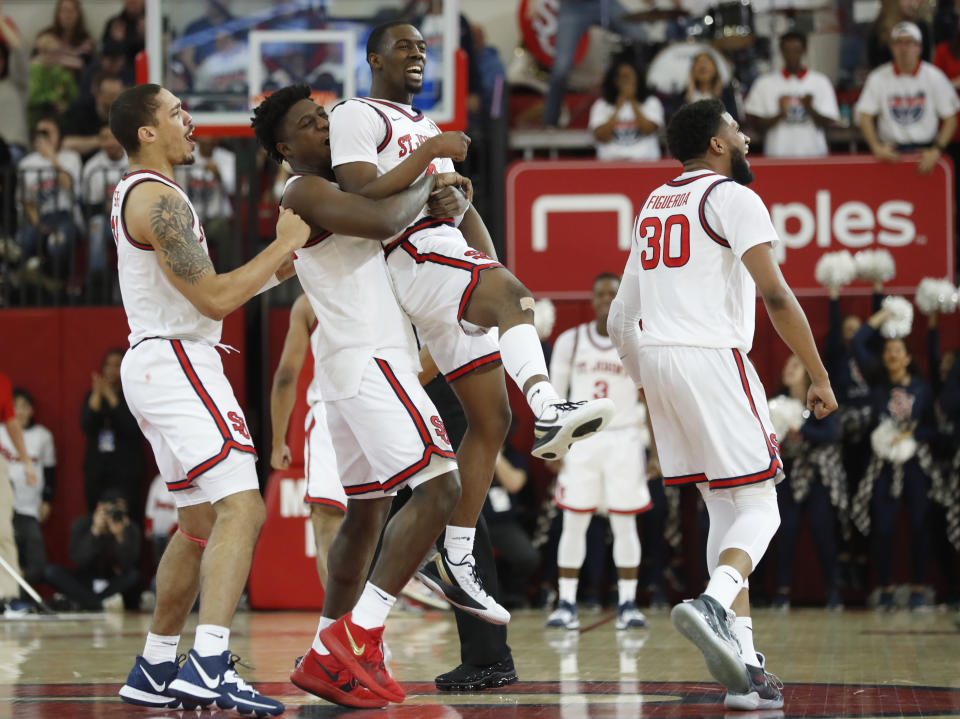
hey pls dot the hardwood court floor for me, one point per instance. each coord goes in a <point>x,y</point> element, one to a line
<point>849,664</point>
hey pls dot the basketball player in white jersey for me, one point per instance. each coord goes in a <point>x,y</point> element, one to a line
<point>324,493</point>
<point>452,287</point>
<point>702,247</point>
<point>174,384</point>
<point>384,428</point>
<point>605,472</point>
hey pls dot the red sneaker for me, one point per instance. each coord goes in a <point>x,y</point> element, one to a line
<point>324,675</point>
<point>359,650</point>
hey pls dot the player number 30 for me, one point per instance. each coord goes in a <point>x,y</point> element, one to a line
<point>675,234</point>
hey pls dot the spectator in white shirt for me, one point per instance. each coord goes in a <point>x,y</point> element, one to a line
<point>210,183</point>
<point>31,503</point>
<point>49,179</point>
<point>793,106</point>
<point>626,119</point>
<point>908,104</point>
<point>100,176</point>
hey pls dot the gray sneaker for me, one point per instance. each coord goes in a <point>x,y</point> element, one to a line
<point>707,624</point>
<point>764,690</point>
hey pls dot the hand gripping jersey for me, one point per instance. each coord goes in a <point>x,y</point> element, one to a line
<point>688,239</point>
<point>154,307</point>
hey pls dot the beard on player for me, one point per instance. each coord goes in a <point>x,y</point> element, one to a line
<point>739,167</point>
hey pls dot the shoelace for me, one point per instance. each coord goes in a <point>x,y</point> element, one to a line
<point>231,675</point>
<point>565,406</point>
<point>773,679</point>
<point>474,577</point>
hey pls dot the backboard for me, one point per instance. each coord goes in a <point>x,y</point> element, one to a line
<point>222,57</point>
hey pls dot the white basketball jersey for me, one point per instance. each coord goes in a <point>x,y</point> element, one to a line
<point>313,391</point>
<point>154,307</point>
<point>382,133</point>
<point>346,280</point>
<point>688,240</point>
<point>585,365</point>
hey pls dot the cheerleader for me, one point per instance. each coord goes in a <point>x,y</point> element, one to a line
<point>815,484</point>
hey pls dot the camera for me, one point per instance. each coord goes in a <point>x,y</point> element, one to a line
<point>116,514</point>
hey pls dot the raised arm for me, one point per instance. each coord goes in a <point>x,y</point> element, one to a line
<point>791,324</point>
<point>159,216</point>
<point>283,394</point>
<point>447,144</point>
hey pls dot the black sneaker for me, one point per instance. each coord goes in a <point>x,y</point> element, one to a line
<point>707,624</point>
<point>460,585</point>
<point>764,690</point>
<point>468,678</point>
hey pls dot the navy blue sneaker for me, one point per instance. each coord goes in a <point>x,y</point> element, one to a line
<point>148,684</point>
<point>208,680</point>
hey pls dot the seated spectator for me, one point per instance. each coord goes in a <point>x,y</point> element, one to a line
<point>908,104</point>
<point>126,31</point>
<point>225,69</point>
<point>49,180</point>
<point>210,182</point>
<point>626,119</point>
<point>51,87</point>
<point>516,554</point>
<point>74,46</point>
<point>199,38</point>
<point>114,456</point>
<point>105,550</point>
<point>100,176</point>
<point>704,82</point>
<point>792,107</point>
<point>13,86</point>
<point>87,115</point>
<point>111,62</point>
<point>31,503</point>
<point>892,13</point>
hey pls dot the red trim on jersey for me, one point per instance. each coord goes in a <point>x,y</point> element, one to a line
<point>155,174</point>
<point>316,239</point>
<point>306,447</point>
<point>565,508</point>
<point>386,122</point>
<point>313,326</point>
<point>471,286</point>
<point>745,383</point>
<point>702,212</point>
<point>685,479</point>
<point>328,502</point>
<point>416,118</point>
<point>762,476</point>
<point>179,485</point>
<point>800,75</point>
<point>421,224</point>
<point>404,398</point>
<point>646,508</point>
<point>123,220</point>
<point>471,366</point>
<point>677,182</point>
<point>219,457</point>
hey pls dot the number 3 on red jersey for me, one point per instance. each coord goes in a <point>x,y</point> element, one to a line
<point>675,235</point>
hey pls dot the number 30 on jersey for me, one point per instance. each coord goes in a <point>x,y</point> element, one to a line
<point>667,241</point>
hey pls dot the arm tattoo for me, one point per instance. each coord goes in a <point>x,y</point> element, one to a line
<point>172,225</point>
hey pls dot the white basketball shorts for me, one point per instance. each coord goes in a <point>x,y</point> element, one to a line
<point>435,273</point>
<point>388,435</point>
<point>709,415</point>
<point>605,472</point>
<point>186,409</point>
<point>320,461</point>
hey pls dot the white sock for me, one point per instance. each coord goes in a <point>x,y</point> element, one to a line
<point>211,640</point>
<point>159,649</point>
<point>743,631</point>
<point>522,357</point>
<point>458,541</point>
<point>318,645</point>
<point>725,584</point>
<point>374,606</point>
<point>541,396</point>
<point>567,589</point>
<point>627,589</point>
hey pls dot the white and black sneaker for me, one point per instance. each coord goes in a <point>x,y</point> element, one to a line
<point>706,623</point>
<point>460,585</point>
<point>630,617</point>
<point>564,423</point>
<point>207,680</point>
<point>764,692</point>
<point>564,617</point>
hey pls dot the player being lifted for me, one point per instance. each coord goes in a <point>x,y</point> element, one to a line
<point>702,247</point>
<point>451,286</point>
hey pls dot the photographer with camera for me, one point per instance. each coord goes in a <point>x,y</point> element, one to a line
<point>105,549</point>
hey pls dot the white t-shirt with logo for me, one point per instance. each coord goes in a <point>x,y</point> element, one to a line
<point>39,444</point>
<point>908,107</point>
<point>628,143</point>
<point>796,135</point>
<point>40,183</point>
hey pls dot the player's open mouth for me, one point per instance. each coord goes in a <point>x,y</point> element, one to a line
<point>190,139</point>
<point>415,72</point>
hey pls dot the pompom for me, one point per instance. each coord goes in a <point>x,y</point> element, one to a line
<point>835,269</point>
<point>900,322</point>
<point>786,413</point>
<point>935,295</point>
<point>875,265</point>
<point>544,317</point>
<point>889,443</point>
